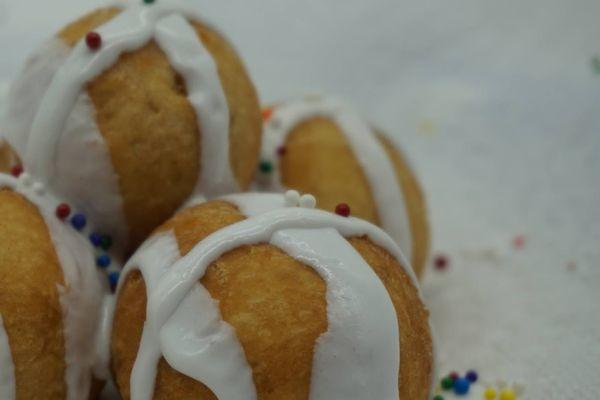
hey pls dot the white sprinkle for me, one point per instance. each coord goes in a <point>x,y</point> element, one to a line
<point>26,179</point>
<point>39,188</point>
<point>292,198</point>
<point>308,201</point>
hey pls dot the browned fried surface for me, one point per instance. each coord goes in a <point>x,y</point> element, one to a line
<point>29,300</point>
<point>417,206</point>
<point>278,309</point>
<point>151,129</point>
<point>320,161</point>
<point>416,366</point>
<point>8,158</point>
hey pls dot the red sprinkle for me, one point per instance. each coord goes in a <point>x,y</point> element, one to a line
<point>267,113</point>
<point>440,262</point>
<point>342,209</point>
<point>63,210</point>
<point>16,170</point>
<point>454,375</point>
<point>281,150</point>
<point>93,40</point>
<point>519,242</point>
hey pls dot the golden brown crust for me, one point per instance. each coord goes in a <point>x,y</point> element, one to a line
<point>29,299</point>
<point>416,368</point>
<point>8,158</point>
<point>151,129</point>
<point>277,307</point>
<point>415,201</point>
<point>320,161</point>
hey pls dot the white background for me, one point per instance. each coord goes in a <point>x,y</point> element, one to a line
<point>498,106</point>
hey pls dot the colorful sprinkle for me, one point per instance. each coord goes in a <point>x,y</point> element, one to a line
<point>440,262</point>
<point>25,179</point>
<point>519,242</point>
<point>39,188</point>
<point>267,113</point>
<point>16,170</point>
<point>438,397</point>
<point>95,239</point>
<point>105,242</point>
<point>472,376</point>
<point>454,375</point>
<point>447,383</point>
<point>281,150</point>
<point>103,261</point>
<point>265,167</point>
<point>490,393</point>
<point>63,211</point>
<point>508,395</point>
<point>113,279</point>
<point>78,221</point>
<point>292,198</point>
<point>342,209</point>
<point>596,64</point>
<point>307,201</point>
<point>148,1</point>
<point>462,386</point>
<point>93,40</point>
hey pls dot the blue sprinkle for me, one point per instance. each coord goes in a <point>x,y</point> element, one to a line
<point>472,376</point>
<point>78,221</point>
<point>113,279</point>
<point>461,386</point>
<point>103,261</point>
<point>96,239</point>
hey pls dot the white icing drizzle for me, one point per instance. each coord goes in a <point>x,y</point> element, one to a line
<point>357,358</point>
<point>81,294</point>
<point>60,142</point>
<point>370,153</point>
<point>102,360</point>
<point>85,174</point>
<point>359,355</point>
<point>8,390</point>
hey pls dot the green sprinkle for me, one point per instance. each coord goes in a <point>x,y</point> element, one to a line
<point>105,242</point>
<point>438,397</point>
<point>266,167</point>
<point>596,64</point>
<point>447,383</point>
<point>148,1</point>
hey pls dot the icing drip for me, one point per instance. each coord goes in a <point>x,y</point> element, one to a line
<point>102,360</point>
<point>359,355</point>
<point>81,294</point>
<point>8,389</point>
<point>191,60</point>
<point>85,174</point>
<point>357,358</point>
<point>60,143</point>
<point>205,349</point>
<point>370,153</point>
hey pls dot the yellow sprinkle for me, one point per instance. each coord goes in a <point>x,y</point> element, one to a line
<point>490,393</point>
<point>426,127</point>
<point>508,395</point>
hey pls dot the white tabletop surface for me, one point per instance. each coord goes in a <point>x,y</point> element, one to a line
<point>497,104</point>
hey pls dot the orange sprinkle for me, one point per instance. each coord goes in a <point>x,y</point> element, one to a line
<point>267,113</point>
